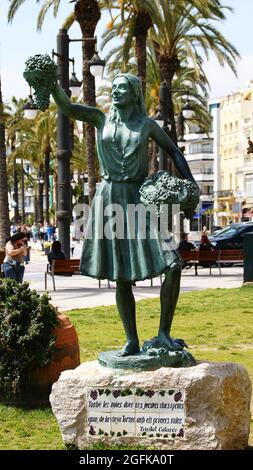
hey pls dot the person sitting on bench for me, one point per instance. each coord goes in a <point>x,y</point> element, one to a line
<point>185,245</point>
<point>55,252</point>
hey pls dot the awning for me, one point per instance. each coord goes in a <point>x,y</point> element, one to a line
<point>202,211</point>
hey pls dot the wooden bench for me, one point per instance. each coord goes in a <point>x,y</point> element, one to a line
<point>66,267</point>
<point>229,257</point>
<point>212,258</point>
<point>206,258</point>
<point>191,258</point>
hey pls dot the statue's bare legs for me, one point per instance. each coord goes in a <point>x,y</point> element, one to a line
<point>126,307</point>
<point>168,297</point>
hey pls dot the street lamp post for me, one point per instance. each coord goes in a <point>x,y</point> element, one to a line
<point>15,192</point>
<point>185,114</point>
<point>40,196</point>
<point>22,192</point>
<point>63,213</point>
<point>63,137</point>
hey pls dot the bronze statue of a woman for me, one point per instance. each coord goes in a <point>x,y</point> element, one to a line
<point>122,144</point>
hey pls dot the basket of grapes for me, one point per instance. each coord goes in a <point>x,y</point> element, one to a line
<point>162,188</point>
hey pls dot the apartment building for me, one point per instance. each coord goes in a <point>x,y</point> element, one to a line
<point>198,152</point>
<point>234,195</point>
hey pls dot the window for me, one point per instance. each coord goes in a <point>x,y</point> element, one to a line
<point>201,148</point>
<point>209,190</point>
<point>236,148</point>
<point>249,186</point>
<point>230,127</point>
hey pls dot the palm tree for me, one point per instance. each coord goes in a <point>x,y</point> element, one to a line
<point>193,81</point>
<point>4,207</point>
<point>180,29</point>
<point>36,143</point>
<point>45,131</point>
<point>136,17</point>
<point>182,32</point>
<point>135,20</point>
<point>16,115</point>
<point>87,14</point>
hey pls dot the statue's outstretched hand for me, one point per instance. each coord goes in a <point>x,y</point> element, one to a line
<point>41,74</point>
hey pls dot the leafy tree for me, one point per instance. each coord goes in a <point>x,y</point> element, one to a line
<point>87,14</point>
<point>182,33</point>
<point>4,207</point>
<point>189,32</point>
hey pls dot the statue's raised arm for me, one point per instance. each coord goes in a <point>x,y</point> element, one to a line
<point>41,74</point>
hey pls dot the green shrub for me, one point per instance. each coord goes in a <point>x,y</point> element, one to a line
<point>26,339</point>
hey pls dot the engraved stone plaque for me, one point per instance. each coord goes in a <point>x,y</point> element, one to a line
<point>135,412</point>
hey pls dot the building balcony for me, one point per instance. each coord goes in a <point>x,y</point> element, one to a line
<point>196,157</point>
<point>248,157</point>
<point>224,194</point>
<point>206,197</point>
<point>201,177</point>
<point>247,166</point>
<point>248,162</point>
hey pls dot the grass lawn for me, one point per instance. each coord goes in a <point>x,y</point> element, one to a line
<point>216,324</point>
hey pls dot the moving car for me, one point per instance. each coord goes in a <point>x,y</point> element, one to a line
<point>231,237</point>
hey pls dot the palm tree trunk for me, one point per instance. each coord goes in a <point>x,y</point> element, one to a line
<point>40,195</point>
<point>15,192</point>
<point>167,67</point>
<point>22,193</point>
<point>47,186</point>
<point>55,192</point>
<point>140,51</point>
<point>36,203</point>
<point>87,14</point>
<point>4,207</point>
<point>154,152</point>
<point>143,23</point>
<point>15,181</point>
<point>40,200</point>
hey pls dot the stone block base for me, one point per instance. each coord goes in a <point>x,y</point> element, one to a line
<point>205,407</point>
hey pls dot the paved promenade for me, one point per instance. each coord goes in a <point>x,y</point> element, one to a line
<point>80,292</point>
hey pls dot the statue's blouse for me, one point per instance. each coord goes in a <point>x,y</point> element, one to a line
<point>123,152</point>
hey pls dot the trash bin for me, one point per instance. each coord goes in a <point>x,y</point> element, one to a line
<point>248,257</point>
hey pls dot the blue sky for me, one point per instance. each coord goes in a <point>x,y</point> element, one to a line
<point>20,39</point>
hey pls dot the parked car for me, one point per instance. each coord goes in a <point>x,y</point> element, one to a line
<point>231,237</point>
<point>215,229</point>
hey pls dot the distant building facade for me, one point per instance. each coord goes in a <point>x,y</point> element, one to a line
<point>199,154</point>
<point>234,188</point>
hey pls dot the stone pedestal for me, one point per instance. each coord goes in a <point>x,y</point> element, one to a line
<point>205,407</point>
